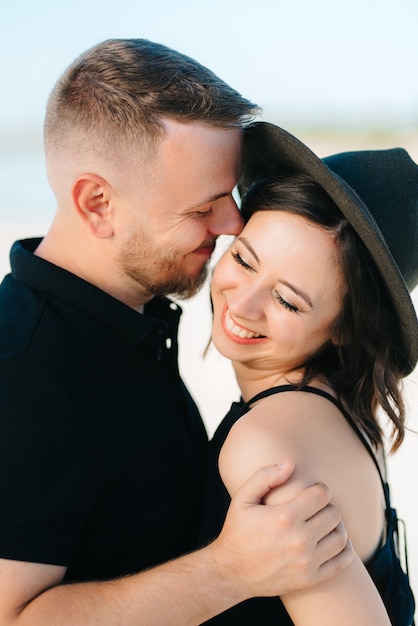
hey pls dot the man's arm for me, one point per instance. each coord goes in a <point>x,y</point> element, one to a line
<point>262,550</point>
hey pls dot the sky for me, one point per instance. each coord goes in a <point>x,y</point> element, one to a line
<point>350,62</point>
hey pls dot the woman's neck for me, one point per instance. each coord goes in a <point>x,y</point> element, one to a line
<point>252,381</point>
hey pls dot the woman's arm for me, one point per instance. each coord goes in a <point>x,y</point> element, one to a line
<point>313,432</point>
<point>350,599</point>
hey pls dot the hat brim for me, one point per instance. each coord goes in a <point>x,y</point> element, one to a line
<point>269,150</point>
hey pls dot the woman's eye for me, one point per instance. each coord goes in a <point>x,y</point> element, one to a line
<point>238,258</point>
<point>285,303</point>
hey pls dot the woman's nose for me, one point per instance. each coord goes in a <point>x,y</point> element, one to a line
<point>245,303</point>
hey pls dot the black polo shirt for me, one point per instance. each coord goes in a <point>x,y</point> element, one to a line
<point>101,446</point>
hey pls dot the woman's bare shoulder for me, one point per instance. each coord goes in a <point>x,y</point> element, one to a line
<point>312,431</point>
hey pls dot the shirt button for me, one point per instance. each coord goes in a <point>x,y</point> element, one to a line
<point>159,354</point>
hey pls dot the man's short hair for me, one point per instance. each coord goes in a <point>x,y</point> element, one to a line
<point>115,94</point>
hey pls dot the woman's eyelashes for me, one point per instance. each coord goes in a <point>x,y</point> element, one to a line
<point>238,258</point>
<point>285,303</point>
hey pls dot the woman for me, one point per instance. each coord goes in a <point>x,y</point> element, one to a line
<point>311,303</point>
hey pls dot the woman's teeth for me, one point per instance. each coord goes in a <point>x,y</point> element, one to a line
<point>240,332</point>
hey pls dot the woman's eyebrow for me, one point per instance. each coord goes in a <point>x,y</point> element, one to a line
<point>299,292</point>
<point>249,247</point>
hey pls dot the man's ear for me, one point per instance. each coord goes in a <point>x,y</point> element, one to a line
<point>92,199</point>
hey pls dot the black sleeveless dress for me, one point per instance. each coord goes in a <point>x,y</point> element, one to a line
<point>384,568</point>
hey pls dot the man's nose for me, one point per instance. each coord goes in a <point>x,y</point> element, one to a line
<point>226,217</point>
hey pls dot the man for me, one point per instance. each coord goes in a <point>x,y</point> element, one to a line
<point>102,446</point>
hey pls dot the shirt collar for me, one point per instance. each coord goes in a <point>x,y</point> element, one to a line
<point>64,286</point>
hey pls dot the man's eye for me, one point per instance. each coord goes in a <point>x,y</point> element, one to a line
<point>203,213</point>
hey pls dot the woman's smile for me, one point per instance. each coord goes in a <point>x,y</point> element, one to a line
<point>240,334</point>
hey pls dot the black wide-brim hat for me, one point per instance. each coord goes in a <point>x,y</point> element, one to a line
<point>376,190</point>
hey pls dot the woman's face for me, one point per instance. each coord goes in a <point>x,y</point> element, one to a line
<point>276,293</point>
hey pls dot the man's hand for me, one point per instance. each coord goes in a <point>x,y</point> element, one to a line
<point>270,550</point>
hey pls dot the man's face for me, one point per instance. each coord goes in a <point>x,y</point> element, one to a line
<point>177,207</point>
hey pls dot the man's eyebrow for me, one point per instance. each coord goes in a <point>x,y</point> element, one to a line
<point>217,196</point>
<point>249,247</point>
<point>299,292</point>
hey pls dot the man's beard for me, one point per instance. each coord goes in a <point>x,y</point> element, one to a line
<point>158,274</point>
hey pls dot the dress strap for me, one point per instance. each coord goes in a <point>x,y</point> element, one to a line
<point>324,394</point>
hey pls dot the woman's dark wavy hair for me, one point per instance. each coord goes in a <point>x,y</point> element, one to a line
<point>365,367</point>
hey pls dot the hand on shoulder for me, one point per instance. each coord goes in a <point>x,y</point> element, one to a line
<point>312,432</point>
